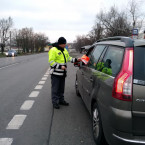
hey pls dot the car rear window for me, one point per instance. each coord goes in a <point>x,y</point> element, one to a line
<point>139,65</point>
<point>112,60</point>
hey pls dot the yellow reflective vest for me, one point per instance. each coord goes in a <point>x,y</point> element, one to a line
<point>58,58</point>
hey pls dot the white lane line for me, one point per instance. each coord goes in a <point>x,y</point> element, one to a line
<point>44,78</point>
<point>27,105</point>
<point>45,75</point>
<point>9,65</point>
<point>47,72</point>
<point>6,141</point>
<point>34,94</point>
<point>38,87</point>
<point>16,122</point>
<point>41,83</point>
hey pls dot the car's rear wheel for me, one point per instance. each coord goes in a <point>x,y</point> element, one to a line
<point>97,126</point>
<point>77,89</point>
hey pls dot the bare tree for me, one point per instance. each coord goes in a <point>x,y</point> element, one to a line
<point>82,41</point>
<point>135,13</point>
<point>30,41</point>
<point>5,25</point>
<point>114,23</point>
<point>15,39</point>
<point>40,42</point>
<point>24,39</point>
<point>96,33</point>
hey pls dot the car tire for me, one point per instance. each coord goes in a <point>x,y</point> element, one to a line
<point>77,90</point>
<point>97,126</point>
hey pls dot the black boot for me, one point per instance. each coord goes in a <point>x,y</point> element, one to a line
<point>56,106</point>
<point>64,103</point>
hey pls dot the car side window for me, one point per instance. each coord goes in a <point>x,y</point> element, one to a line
<point>90,51</point>
<point>95,55</point>
<point>112,61</point>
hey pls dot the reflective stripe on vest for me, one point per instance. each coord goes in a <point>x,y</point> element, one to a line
<point>59,74</point>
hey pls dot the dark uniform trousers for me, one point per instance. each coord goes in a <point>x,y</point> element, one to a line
<point>57,88</point>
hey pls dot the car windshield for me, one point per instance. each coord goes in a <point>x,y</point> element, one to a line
<point>139,65</point>
<point>11,51</point>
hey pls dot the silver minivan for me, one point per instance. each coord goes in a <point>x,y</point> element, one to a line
<point>112,86</point>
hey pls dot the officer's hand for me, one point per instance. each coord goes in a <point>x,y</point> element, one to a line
<point>63,67</point>
<point>78,59</point>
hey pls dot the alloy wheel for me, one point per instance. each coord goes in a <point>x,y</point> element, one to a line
<point>96,124</point>
<point>76,86</point>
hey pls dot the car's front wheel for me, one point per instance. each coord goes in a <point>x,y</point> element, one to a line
<point>97,126</point>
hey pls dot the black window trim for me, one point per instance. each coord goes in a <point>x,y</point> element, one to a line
<point>105,48</point>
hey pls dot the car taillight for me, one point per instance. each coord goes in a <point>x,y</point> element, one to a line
<point>122,88</point>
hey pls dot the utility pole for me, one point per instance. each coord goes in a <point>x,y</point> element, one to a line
<point>10,40</point>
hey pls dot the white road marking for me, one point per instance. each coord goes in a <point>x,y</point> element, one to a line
<point>16,122</point>
<point>27,105</point>
<point>6,141</point>
<point>34,94</point>
<point>9,65</point>
<point>44,78</point>
<point>38,87</point>
<point>47,72</point>
<point>41,83</point>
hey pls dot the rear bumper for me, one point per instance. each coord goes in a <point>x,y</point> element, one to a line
<point>118,129</point>
<point>115,137</point>
<point>128,141</point>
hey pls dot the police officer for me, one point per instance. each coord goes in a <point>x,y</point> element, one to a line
<point>58,58</point>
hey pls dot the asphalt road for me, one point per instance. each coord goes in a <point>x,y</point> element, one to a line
<point>26,113</point>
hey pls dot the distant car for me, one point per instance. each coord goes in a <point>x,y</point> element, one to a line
<point>11,53</point>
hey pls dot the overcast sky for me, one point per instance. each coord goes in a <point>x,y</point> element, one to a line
<point>55,18</point>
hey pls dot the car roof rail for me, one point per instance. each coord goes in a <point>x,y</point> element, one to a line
<point>127,40</point>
